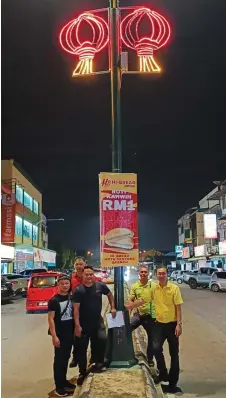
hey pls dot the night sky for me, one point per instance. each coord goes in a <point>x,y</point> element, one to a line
<point>59,130</point>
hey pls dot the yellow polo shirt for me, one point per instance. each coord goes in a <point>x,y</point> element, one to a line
<point>165,299</point>
<point>139,291</point>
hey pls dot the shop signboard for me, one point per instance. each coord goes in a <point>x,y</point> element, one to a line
<point>178,250</point>
<point>186,252</point>
<point>118,219</point>
<point>200,251</point>
<point>188,267</point>
<point>8,217</point>
<point>210,226</point>
<point>222,248</point>
<point>44,256</point>
<point>7,252</point>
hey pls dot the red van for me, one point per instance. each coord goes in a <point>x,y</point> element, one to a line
<point>41,287</point>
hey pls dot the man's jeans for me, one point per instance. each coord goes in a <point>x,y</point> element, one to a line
<point>97,337</point>
<point>148,324</point>
<point>61,358</point>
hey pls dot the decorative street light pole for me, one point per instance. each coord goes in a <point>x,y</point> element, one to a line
<point>114,34</point>
<point>115,70</point>
<point>122,352</point>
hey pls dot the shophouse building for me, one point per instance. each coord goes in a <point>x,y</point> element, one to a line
<point>22,219</point>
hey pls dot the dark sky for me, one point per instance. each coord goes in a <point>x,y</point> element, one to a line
<point>174,133</point>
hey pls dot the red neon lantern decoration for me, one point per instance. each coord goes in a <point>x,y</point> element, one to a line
<point>145,46</point>
<point>71,42</point>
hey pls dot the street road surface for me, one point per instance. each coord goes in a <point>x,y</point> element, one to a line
<point>27,352</point>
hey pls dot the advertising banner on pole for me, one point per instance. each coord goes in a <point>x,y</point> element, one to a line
<point>118,219</point>
<point>8,217</point>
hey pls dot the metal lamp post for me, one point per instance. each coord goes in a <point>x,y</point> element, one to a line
<point>120,339</point>
<point>50,219</point>
<point>41,221</point>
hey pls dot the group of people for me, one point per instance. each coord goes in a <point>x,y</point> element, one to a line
<point>74,316</point>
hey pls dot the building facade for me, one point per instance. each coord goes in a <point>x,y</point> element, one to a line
<point>22,216</point>
<point>202,231</point>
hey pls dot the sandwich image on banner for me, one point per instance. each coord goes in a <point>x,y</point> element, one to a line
<point>120,237</point>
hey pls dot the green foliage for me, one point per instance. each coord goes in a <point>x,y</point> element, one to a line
<point>152,254</point>
<point>65,257</point>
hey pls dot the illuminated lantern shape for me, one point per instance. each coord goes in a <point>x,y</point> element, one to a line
<point>145,46</point>
<point>72,43</point>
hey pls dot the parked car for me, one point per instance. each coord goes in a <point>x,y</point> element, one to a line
<point>28,272</point>
<point>218,281</point>
<point>7,292</point>
<point>41,288</point>
<point>173,276</point>
<point>179,277</point>
<point>19,283</point>
<point>103,275</point>
<point>201,278</point>
<point>186,275</point>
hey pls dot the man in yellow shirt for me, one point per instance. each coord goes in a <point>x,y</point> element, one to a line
<point>146,313</point>
<point>167,299</point>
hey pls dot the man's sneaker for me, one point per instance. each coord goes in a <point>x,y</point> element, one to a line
<point>73,364</point>
<point>81,379</point>
<point>173,389</point>
<point>99,368</point>
<point>69,386</point>
<point>161,378</point>
<point>61,392</point>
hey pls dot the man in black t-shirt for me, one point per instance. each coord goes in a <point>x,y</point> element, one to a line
<point>89,324</point>
<point>61,328</point>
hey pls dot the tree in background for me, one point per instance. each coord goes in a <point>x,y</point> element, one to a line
<point>150,255</point>
<point>65,256</point>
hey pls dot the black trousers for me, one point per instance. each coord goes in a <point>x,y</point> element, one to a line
<point>97,337</point>
<point>61,358</point>
<point>74,354</point>
<point>148,324</point>
<point>163,332</point>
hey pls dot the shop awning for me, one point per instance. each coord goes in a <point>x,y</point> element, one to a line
<point>217,256</point>
<point>196,258</point>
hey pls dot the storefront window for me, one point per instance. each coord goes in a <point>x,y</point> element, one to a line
<point>18,227</point>
<point>35,206</point>
<point>27,229</point>
<point>35,233</point>
<point>27,201</point>
<point>19,194</point>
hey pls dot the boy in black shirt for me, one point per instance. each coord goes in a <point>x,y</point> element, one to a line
<point>89,325</point>
<point>61,328</point>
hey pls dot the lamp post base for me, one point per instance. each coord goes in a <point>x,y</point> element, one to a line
<point>120,346</point>
<point>123,364</point>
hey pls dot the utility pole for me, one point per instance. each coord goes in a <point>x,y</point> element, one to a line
<point>120,339</point>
